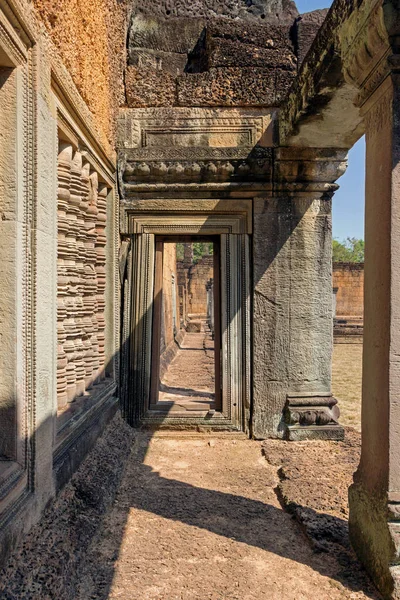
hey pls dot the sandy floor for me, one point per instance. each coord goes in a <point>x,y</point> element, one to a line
<point>190,379</point>
<point>346,382</point>
<point>196,520</point>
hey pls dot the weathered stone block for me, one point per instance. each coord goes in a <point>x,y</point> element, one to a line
<point>228,53</point>
<point>249,10</point>
<point>229,87</point>
<point>149,88</point>
<point>172,35</point>
<point>306,29</point>
<point>157,60</point>
<point>245,44</point>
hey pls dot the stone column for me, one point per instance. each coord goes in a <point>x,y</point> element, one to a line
<point>293,321</point>
<point>375,494</point>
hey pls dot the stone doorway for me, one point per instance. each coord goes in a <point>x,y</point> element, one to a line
<point>218,331</point>
<point>186,344</point>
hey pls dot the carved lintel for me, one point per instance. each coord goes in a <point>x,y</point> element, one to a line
<point>312,417</point>
<point>150,168</point>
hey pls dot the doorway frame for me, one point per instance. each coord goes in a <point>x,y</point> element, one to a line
<point>158,307</point>
<point>232,224</point>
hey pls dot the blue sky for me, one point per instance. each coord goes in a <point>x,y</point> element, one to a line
<point>348,202</point>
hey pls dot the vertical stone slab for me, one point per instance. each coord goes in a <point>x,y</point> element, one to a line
<point>375,494</point>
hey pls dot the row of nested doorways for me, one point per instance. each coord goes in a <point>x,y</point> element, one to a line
<point>186,344</point>
<point>187,331</point>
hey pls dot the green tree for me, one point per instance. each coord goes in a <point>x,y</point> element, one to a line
<point>200,249</point>
<point>349,250</point>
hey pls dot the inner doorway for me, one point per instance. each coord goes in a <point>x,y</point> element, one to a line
<point>186,345</point>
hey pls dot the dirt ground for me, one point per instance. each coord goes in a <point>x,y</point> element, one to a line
<point>189,381</point>
<point>199,519</point>
<point>346,382</point>
<point>175,516</point>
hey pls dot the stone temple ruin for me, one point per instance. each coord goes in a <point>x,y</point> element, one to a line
<point>226,120</point>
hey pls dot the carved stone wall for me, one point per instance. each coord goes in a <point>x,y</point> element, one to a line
<point>93,49</point>
<point>82,203</point>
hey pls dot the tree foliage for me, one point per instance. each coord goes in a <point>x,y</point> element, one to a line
<point>200,249</point>
<point>349,250</point>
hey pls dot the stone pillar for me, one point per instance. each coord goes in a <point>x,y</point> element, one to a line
<point>293,321</point>
<point>375,495</point>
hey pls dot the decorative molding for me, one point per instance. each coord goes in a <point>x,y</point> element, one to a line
<point>305,412</point>
<point>15,489</point>
<point>11,43</point>
<point>200,127</point>
<point>191,224</point>
<point>169,168</point>
<point>366,52</point>
<point>172,216</point>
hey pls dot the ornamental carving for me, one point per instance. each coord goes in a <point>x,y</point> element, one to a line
<point>82,202</point>
<point>311,410</point>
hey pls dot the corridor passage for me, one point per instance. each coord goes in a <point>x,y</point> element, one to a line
<point>189,382</point>
<point>197,518</point>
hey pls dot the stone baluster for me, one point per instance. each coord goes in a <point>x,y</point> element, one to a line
<point>88,274</point>
<point>101,241</point>
<point>92,279</point>
<point>75,267</point>
<point>63,195</point>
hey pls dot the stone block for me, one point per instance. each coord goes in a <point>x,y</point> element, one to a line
<point>243,44</point>
<point>149,88</point>
<point>173,35</point>
<point>283,82</point>
<point>306,28</point>
<point>157,60</point>
<point>232,86</point>
<point>228,53</point>
<point>248,10</point>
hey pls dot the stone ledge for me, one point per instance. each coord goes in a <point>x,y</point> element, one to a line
<point>314,478</point>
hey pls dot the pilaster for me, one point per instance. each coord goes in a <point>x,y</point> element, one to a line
<point>293,340</point>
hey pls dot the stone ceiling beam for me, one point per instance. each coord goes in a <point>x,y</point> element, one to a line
<point>347,61</point>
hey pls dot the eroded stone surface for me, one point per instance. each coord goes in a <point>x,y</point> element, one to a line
<point>235,53</point>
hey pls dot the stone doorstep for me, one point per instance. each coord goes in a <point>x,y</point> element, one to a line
<point>199,435</point>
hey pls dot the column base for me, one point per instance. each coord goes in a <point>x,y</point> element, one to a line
<point>298,433</point>
<point>313,417</point>
<point>374,526</point>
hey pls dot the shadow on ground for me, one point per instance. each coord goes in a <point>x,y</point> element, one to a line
<point>72,552</point>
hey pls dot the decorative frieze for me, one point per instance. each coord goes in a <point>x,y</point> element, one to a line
<point>82,204</point>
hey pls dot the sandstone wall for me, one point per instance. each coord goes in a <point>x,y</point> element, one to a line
<point>348,278</point>
<point>210,53</point>
<point>169,273</point>
<point>199,275</point>
<point>90,37</point>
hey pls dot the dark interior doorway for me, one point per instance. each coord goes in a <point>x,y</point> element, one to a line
<point>186,344</point>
